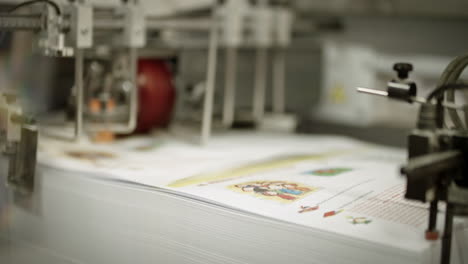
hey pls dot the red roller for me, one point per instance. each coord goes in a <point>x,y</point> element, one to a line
<point>156,95</point>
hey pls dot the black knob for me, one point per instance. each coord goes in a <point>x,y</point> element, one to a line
<point>403,69</point>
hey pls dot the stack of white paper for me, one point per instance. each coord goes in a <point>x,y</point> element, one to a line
<point>262,198</point>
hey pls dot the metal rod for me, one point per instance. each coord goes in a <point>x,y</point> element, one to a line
<point>12,167</point>
<point>230,86</point>
<point>210,84</point>
<point>372,91</point>
<point>433,215</point>
<point>447,238</point>
<point>279,82</point>
<point>132,122</point>
<point>79,93</point>
<point>258,108</point>
<point>194,24</point>
<point>180,24</point>
<point>158,24</point>
<point>35,22</point>
<point>20,22</point>
<point>414,99</point>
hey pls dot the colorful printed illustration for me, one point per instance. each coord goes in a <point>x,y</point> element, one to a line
<point>328,171</point>
<point>280,191</point>
<point>305,209</point>
<point>358,220</point>
<point>332,213</point>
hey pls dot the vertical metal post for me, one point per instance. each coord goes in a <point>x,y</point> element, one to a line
<point>12,166</point>
<point>447,237</point>
<point>433,216</point>
<point>79,93</point>
<point>279,81</point>
<point>258,108</point>
<point>210,82</point>
<point>26,158</point>
<point>230,86</point>
<point>133,57</point>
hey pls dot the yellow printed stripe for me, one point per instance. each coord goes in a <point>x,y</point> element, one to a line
<point>248,169</point>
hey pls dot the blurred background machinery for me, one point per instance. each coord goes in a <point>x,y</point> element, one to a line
<point>291,64</point>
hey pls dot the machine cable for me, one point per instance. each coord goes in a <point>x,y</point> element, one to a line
<point>31,2</point>
<point>451,75</point>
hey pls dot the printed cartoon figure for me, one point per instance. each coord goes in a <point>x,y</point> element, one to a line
<point>274,190</point>
<point>328,171</point>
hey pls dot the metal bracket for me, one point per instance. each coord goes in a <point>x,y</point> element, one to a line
<point>18,142</point>
<point>82,25</point>
<point>134,31</point>
<point>22,166</point>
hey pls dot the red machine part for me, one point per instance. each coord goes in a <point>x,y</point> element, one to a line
<point>156,95</point>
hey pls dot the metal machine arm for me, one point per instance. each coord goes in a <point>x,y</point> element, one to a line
<point>436,169</point>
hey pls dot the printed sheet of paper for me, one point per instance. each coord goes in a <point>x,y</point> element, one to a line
<point>358,195</point>
<point>327,183</point>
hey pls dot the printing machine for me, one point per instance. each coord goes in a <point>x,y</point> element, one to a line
<point>105,41</point>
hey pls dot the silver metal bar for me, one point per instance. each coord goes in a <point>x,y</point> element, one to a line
<point>132,122</point>
<point>229,102</point>
<point>35,22</point>
<point>302,26</point>
<point>279,81</point>
<point>414,99</point>
<point>372,91</point>
<point>157,24</point>
<point>20,22</point>
<point>260,80</point>
<point>79,59</point>
<point>181,24</point>
<point>210,84</point>
<point>196,24</point>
